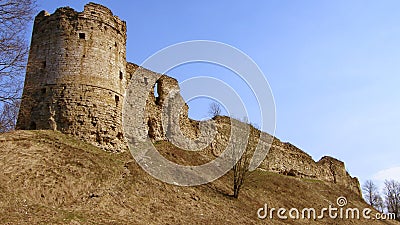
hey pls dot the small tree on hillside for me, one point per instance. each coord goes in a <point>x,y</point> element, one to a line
<point>371,193</point>
<point>392,197</point>
<point>214,109</point>
<point>241,154</point>
<point>240,171</point>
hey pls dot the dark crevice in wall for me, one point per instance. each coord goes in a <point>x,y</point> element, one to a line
<point>32,126</point>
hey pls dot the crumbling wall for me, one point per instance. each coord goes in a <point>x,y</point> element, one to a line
<point>165,117</point>
<point>333,170</point>
<point>213,138</point>
<point>285,158</point>
<point>159,116</point>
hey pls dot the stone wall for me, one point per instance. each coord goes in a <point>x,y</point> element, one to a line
<point>141,109</point>
<point>285,158</point>
<point>165,117</point>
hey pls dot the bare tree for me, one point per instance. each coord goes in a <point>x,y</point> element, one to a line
<point>214,109</point>
<point>380,205</point>
<point>392,197</point>
<point>241,155</point>
<point>240,170</point>
<point>371,193</point>
<point>14,18</point>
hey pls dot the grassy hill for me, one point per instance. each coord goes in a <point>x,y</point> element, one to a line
<point>51,178</point>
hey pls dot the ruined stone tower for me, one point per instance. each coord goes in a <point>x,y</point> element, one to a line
<point>76,75</point>
<point>76,83</point>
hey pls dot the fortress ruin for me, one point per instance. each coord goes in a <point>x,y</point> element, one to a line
<point>76,81</point>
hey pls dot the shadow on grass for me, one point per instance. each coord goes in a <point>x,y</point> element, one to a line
<point>220,191</point>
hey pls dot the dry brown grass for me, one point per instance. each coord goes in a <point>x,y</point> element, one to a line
<point>50,178</point>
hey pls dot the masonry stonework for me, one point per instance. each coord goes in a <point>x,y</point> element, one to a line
<point>76,75</point>
<point>77,80</point>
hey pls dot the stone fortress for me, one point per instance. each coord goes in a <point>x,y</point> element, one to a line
<point>76,82</point>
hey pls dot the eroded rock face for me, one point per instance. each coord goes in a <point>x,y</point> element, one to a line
<point>76,83</point>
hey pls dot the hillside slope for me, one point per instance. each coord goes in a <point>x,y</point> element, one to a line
<point>50,178</point>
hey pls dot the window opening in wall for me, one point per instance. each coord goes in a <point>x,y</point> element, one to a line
<point>155,88</point>
<point>121,75</point>
<point>156,94</point>
<point>116,99</point>
<point>82,36</point>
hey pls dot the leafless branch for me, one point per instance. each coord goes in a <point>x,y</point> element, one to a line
<point>14,18</point>
<point>214,110</point>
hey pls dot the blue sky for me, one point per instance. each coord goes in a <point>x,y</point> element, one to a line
<point>333,66</point>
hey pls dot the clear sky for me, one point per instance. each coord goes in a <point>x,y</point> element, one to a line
<point>333,66</point>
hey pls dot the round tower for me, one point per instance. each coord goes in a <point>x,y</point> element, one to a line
<point>76,75</point>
